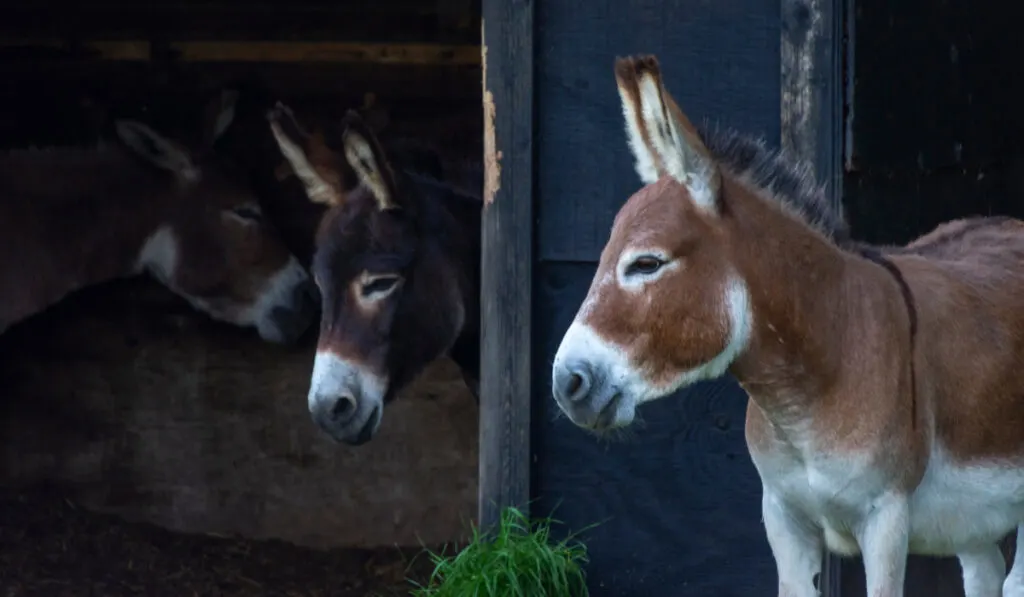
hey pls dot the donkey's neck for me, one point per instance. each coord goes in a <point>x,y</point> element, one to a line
<point>825,319</point>
<point>66,229</point>
<point>455,225</point>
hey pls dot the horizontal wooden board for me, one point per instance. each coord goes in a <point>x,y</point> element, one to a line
<point>439,21</point>
<point>267,51</point>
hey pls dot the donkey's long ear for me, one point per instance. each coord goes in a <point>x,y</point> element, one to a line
<point>156,149</point>
<point>218,114</point>
<point>662,138</point>
<point>293,142</point>
<point>365,155</point>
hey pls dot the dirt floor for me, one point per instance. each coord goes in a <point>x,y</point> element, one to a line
<point>50,548</point>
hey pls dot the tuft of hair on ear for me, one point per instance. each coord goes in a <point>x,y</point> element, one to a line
<point>661,136</point>
<point>366,157</point>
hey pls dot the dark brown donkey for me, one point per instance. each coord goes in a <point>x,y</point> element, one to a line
<point>886,411</point>
<point>397,264</point>
<point>74,217</point>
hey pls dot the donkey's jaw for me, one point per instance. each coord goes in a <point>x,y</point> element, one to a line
<point>286,307</point>
<point>159,255</point>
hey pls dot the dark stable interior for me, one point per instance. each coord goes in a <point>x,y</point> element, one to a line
<point>77,382</point>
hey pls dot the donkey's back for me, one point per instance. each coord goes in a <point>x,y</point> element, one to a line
<point>967,281</point>
<point>62,173</point>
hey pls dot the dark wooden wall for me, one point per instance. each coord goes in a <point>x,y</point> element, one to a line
<point>678,500</point>
<point>936,134</point>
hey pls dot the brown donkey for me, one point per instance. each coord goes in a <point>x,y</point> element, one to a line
<point>74,217</point>
<point>397,264</point>
<point>886,410</point>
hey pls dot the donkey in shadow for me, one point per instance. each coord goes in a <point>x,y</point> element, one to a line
<point>397,264</point>
<point>73,217</point>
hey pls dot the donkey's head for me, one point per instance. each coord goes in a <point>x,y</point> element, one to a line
<point>391,266</point>
<point>213,247</point>
<point>667,306</point>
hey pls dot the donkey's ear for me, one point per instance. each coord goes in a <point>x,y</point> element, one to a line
<point>293,142</point>
<point>156,149</point>
<point>365,155</point>
<point>662,138</point>
<point>218,114</point>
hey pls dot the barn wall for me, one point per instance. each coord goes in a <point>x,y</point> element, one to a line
<point>677,500</point>
<point>127,401</point>
<point>936,135</point>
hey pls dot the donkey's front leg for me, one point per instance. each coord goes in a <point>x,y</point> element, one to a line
<point>884,540</point>
<point>796,546</point>
<point>984,570</point>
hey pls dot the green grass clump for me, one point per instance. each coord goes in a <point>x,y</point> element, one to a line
<point>517,560</point>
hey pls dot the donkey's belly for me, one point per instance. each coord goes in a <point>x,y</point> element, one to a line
<point>958,505</point>
<point>953,507</point>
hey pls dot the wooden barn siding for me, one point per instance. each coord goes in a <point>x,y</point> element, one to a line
<point>128,401</point>
<point>507,258</point>
<point>677,499</point>
<point>936,134</point>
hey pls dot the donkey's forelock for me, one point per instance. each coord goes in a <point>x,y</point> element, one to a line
<point>789,182</point>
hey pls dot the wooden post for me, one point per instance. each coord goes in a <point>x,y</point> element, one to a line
<point>812,121</point>
<point>507,260</point>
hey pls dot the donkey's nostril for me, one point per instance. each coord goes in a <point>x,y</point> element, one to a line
<point>343,408</point>
<point>573,381</point>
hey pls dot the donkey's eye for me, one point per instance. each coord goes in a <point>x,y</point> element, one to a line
<point>644,265</point>
<point>248,212</point>
<point>380,285</point>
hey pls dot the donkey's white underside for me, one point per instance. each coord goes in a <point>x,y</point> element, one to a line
<point>957,509</point>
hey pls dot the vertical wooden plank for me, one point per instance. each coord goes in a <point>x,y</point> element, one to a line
<point>812,86</point>
<point>812,121</point>
<point>507,260</point>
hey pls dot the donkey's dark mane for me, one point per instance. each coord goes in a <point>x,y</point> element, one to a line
<point>790,182</point>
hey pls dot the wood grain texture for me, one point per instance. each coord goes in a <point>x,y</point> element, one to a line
<point>812,95</point>
<point>507,260</point>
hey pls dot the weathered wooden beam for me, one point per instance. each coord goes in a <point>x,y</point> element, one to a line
<point>812,123</point>
<point>507,260</point>
<point>273,51</point>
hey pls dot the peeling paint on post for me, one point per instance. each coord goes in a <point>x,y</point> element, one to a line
<point>492,156</point>
<point>506,258</point>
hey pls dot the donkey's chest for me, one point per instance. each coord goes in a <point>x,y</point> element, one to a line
<point>834,492</point>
